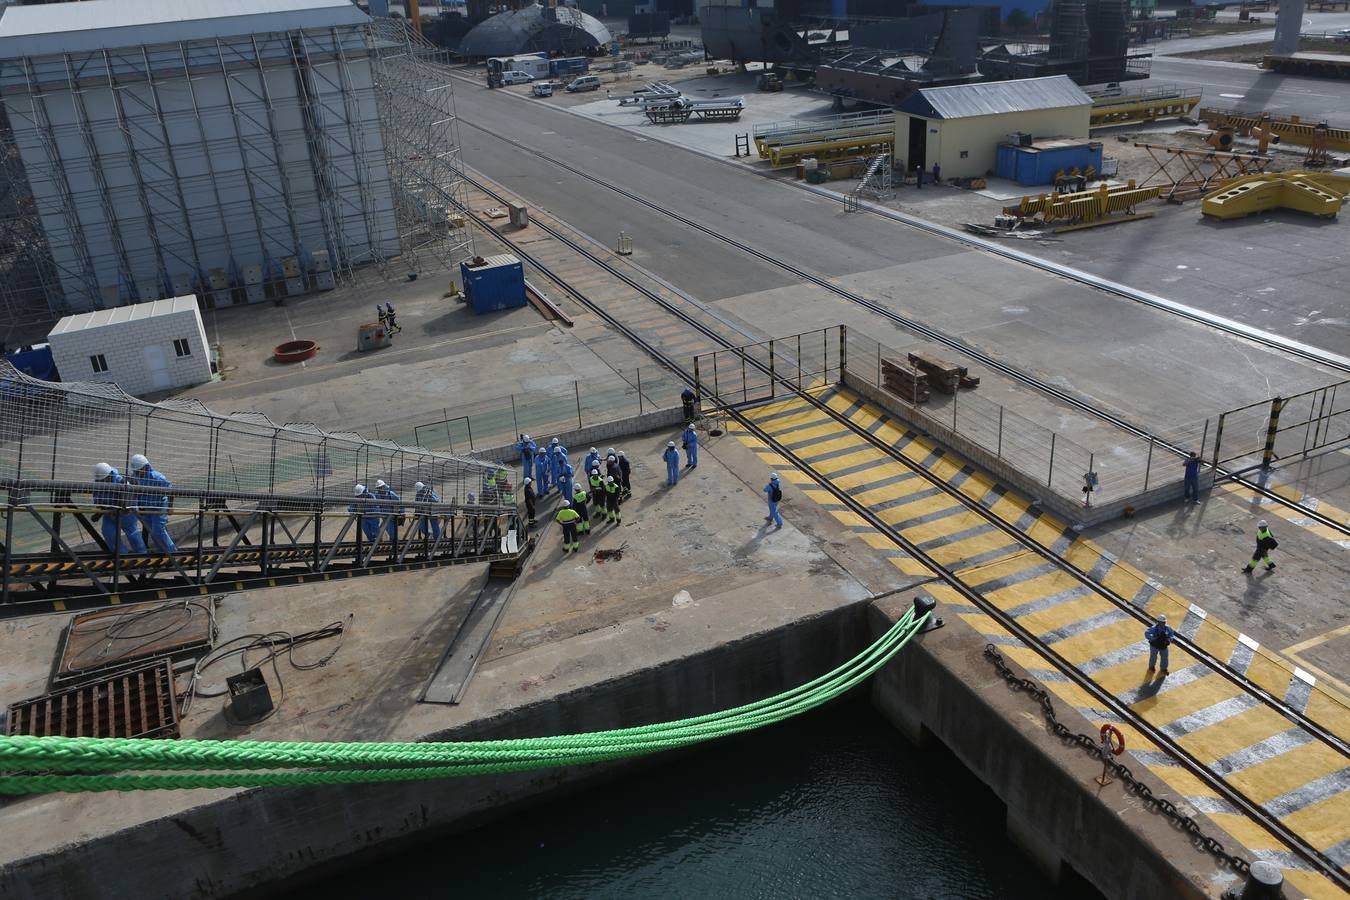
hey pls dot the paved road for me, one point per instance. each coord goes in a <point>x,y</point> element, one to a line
<point>1127,356</point>
<point>1247,87</point>
<point>1313,23</point>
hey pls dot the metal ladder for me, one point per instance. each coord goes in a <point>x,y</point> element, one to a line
<point>875,185</point>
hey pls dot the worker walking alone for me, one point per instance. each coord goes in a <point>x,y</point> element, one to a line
<point>530,499</point>
<point>579,500</point>
<point>567,517</point>
<point>1265,542</point>
<point>1192,478</point>
<point>527,448</point>
<point>612,501</point>
<point>1159,636</point>
<point>672,458</point>
<point>427,523</point>
<point>773,492</point>
<point>154,507</point>
<point>120,526</point>
<point>690,438</point>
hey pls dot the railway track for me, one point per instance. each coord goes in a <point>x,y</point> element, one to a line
<point>671,327</point>
<point>938,336</point>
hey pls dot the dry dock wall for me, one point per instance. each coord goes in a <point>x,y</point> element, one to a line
<point>262,841</point>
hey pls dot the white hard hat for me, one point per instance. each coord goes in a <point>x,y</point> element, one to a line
<point>358,490</point>
<point>609,479</point>
<point>609,451</point>
<point>102,470</point>
<point>554,441</point>
<point>417,486</point>
<point>1162,620</point>
<point>576,485</point>
<point>527,437</point>
<point>593,450</point>
<point>567,503</point>
<point>773,477</point>
<point>138,462</point>
<point>379,482</point>
<point>670,443</point>
<point>528,481</point>
<point>1261,524</point>
<point>621,453</point>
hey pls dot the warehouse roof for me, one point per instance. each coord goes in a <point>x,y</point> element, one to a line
<point>116,316</point>
<point>993,98</point>
<point>106,24</point>
<point>534,27</point>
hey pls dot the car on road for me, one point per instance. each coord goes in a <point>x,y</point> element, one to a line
<point>542,89</point>
<point>515,76</point>
<point>1343,35</point>
<point>584,83</point>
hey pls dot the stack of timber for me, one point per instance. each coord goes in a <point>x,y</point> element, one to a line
<point>904,381</point>
<point>943,375</point>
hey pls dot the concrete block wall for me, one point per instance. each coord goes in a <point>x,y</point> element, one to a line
<point>123,345</point>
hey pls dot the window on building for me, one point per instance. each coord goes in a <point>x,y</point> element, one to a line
<point>181,347</point>
<point>965,154</point>
<point>99,363</point>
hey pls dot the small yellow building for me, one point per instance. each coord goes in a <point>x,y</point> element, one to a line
<point>959,127</point>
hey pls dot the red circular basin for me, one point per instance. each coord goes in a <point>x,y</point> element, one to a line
<point>294,351</point>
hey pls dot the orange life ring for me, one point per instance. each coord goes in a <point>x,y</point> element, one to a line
<point>1113,739</point>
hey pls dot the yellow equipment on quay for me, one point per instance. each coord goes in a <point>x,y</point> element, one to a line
<point>1314,193</point>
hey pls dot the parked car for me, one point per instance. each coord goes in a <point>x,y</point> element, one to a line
<point>515,76</point>
<point>542,89</point>
<point>584,83</point>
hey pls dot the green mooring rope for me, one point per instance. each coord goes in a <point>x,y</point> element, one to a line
<point>101,764</point>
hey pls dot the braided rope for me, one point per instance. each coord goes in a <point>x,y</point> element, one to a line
<point>100,764</point>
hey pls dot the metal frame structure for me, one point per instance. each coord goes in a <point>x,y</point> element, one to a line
<point>213,166</point>
<point>1197,171</point>
<point>284,492</point>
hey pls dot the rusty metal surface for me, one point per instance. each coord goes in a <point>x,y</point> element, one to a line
<point>118,638</point>
<point>135,703</point>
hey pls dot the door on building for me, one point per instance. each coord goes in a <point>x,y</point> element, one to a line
<point>918,144</point>
<point>157,365</point>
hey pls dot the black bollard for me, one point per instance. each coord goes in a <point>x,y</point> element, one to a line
<point>923,605</point>
<point>1265,882</point>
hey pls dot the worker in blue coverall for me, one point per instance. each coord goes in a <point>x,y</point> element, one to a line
<point>773,492</point>
<point>566,476</point>
<point>672,458</point>
<point>154,507</point>
<point>388,508</point>
<point>543,471</point>
<point>1191,471</point>
<point>592,461</point>
<point>427,522</point>
<point>1159,636</point>
<point>690,438</point>
<point>364,505</point>
<point>111,500</point>
<point>527,448</point>
<point>557,455</point>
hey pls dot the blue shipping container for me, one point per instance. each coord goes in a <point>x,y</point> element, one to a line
<point>1038,164</point>
<point>571,65</point>
<point>497,283</point>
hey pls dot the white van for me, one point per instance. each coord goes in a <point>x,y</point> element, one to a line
<point>584,83</point>
<point>515,76</point>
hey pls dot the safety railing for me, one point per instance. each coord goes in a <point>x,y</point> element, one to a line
<point>763,371</point>
<point>1123,465</point>
<point>558,406</point>
<point>1283,428</point>
<point>72,540</point>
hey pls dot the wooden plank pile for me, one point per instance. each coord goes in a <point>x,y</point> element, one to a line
<point>904,381</point>
<point>943,375</point>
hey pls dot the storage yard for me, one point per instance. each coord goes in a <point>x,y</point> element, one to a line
<point>967,405</point>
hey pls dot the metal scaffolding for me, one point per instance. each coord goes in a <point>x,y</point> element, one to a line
<point>239,168</point>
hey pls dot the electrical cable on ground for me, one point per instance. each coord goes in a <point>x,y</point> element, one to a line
<point>102,764</point>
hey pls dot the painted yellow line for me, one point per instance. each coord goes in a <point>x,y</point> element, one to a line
<point>1315,641</point>
<point>1278,775</point>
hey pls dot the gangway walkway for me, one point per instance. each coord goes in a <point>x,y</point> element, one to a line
<point>251,502</point>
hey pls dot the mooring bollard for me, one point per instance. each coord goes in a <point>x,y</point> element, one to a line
<point>924,605</point>
<point>1265,882</point>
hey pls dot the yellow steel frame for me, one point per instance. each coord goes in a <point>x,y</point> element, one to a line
<point>1291,129</point>
<point>1314,193</point>
<point>1114,111</point>
<point>1086,206</point>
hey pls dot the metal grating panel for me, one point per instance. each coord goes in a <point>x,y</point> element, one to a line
<point>111,639</point>
<point>138,703</point>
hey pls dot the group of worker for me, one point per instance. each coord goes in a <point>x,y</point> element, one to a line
<point>124,511</point>
<point>388,318</point>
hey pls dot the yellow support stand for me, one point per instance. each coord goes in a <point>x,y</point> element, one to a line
<point>1315,193</point>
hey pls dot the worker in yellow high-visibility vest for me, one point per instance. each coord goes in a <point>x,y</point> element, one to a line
<point>567,517</point>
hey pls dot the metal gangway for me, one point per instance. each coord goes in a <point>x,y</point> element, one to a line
<point>680,109</point>
<point>783,143</point>
<point>252,503</point>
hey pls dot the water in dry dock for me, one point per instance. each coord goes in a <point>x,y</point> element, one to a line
<point>832,805</point>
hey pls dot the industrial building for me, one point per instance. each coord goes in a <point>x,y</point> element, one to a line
<point>551,29</point>
<point>239,150</point>
<point>959,127</point>
<point>147,347</point>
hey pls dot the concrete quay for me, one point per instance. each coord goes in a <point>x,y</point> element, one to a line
<point>743,613</point>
